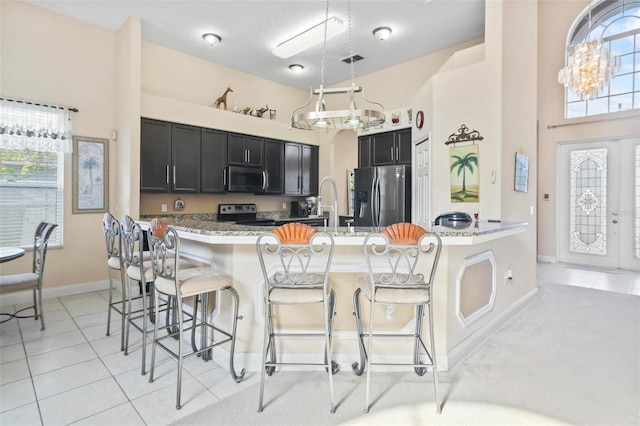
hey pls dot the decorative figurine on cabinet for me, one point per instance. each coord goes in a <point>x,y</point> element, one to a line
<point>222,99</point>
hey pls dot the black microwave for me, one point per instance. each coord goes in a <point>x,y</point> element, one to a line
<point>245,179</point>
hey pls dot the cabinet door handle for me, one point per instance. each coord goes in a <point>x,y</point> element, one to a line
<point>397,153</point>
<point>264,180</point>
<point>224,178</point>
<point>174,175</point>
<point>248,156</point>
<point>167,174</point>
<point>391,153</point>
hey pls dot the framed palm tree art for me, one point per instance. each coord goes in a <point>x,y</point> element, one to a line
<point>464,174</point>
<point>90,175</point>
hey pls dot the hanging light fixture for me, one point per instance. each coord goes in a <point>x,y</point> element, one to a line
<point>590,66</point>
<point>348,118</point>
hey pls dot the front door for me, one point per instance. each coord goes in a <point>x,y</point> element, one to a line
<point>598,223</point>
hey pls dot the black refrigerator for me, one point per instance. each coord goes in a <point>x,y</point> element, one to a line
<point>382,195</point>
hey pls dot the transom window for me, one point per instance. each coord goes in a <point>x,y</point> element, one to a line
<point>617,23</point>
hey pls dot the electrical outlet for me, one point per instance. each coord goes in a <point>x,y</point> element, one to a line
<point>163,208</point>
<point>390,312</point>
<point>284,206</point>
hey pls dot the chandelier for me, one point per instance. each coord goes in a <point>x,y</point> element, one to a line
<point>349,117</point>
<point>590,66</point>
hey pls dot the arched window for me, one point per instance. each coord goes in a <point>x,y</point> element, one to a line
<point>617,23</point>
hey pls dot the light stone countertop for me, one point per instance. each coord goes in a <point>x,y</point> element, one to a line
<point>214,232</point>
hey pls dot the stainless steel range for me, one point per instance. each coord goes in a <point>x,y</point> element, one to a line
<point>242,214</point>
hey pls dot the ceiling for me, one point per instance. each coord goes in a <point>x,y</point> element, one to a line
<point>251,29</point>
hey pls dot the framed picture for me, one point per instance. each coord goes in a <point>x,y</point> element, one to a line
<point>522,173</point>
<point>90,175</point>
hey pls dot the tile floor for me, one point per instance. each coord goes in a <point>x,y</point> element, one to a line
<point>73,373</point>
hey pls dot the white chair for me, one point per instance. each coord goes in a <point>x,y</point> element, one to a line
<point>31,280</point>
<point>295,261</point>
<point>113,240</point>
<point>402,261</point>
<point>173,281</point>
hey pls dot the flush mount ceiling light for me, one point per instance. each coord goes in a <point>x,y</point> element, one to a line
<point>296,68</point>
<point>212,39</point>
<point>331,27</point>
<point>382,33</point>
<point>349,118</point>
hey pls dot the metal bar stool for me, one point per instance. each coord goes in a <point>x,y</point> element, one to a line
<point>301,258</point>
<point>170,280</point>
<point>113,240</point>
<point>396,259</point>
<point>31,280</point>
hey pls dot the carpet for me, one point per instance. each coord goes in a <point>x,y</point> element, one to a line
<point>572,356</point>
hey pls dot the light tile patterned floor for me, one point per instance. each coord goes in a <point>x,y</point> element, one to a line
<point>73,373</point>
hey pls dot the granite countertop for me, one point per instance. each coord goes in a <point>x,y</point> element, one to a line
<point>203,225</point>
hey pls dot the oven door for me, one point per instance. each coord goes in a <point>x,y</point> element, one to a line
<point>245,179</point>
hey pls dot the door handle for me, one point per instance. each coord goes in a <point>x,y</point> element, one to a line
<point>248,156</point>
<point>391,153</point>
<point>167,174</point>
<point>614,221</point>
<point>174,175</point>
<point>397,153</point>
<point>264,180</point>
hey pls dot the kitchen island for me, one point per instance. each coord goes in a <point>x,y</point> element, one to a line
<point>472,294</point>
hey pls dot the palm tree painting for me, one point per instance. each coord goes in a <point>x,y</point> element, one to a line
<point>90,175</point>
<point>464,175</point>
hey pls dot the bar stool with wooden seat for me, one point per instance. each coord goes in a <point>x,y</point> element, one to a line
<point>31,280</point>
<point>295,261</point>
<point>402,261</point>
<point>173,281</point>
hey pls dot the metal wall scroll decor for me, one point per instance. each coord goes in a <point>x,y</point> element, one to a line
<point>463,135</point>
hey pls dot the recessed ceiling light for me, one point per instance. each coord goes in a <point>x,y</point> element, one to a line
<point>382,33</point>
<point>296,68</point>
<point>212,39</point>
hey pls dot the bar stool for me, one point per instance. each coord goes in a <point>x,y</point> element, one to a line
<point>172,281</point>
<point>298,273</point>
<point>398,259</point>
<point>113,239</point>
<point>31,280</point>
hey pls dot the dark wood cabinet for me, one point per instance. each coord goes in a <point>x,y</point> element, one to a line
<point>309,170</point>
<point>245,150</point>
<point>364,151</point>
<point>185,157</point>
<point>273,162</point>
<point>169,157</point>
<point>213,160</point>
<point>155,156</point>
<point>385,149</point>
<point>292,168</point>
<point>300,169</point>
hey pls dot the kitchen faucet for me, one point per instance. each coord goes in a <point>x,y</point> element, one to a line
<point>335,199</point>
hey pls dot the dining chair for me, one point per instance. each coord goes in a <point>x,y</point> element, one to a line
<point>173,281</point>
<point>295,261</point>
<point>31,280</point>
<point>401,262</point>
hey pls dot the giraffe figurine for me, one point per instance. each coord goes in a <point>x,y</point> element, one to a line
<point>222,99</point>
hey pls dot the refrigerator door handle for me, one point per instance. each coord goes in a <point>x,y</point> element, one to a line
<point>375,203</point>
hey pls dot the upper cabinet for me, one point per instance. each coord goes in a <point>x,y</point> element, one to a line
<point>180,158</point>
<point>384,149</point>
<point>273,162</point>
<point>245,150</point>
<point>213,160</point>
<point>169,157</point>
<point>300,169</point>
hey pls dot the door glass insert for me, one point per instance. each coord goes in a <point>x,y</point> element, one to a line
<point>588,202</point>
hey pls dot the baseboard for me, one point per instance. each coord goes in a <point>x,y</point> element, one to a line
<point>23,297</point>
<point>464,348</point>
<point>547,259</point>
